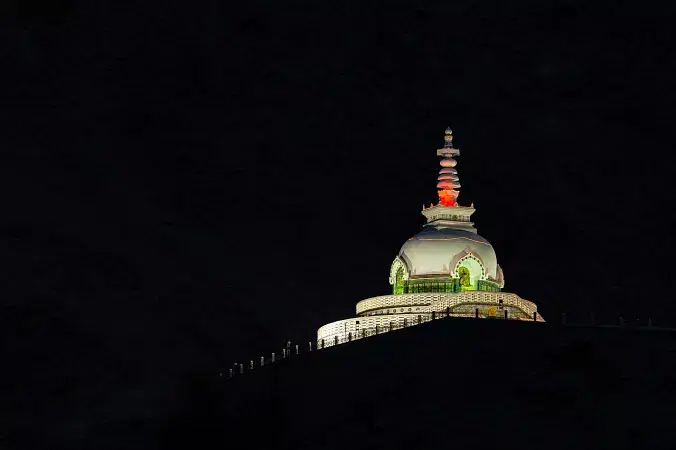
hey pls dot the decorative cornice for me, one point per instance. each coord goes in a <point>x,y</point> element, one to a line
<point>449,239</point>
<point>457,209</point>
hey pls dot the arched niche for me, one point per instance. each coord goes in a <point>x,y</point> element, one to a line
<point>469,268</point>
<point>396,265</point>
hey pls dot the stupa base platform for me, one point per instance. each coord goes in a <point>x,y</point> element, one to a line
<point>386,313</point>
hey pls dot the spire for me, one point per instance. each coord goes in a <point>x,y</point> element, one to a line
<point>448,182</point>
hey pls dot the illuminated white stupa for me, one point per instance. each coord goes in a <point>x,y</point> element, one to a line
<point>446,269</point>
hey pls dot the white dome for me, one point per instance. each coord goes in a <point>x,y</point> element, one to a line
<point>438,251</point>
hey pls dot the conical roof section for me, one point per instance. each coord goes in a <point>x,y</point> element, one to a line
<point>448,182</point>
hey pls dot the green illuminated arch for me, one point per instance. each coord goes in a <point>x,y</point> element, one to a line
<point>399,284</point>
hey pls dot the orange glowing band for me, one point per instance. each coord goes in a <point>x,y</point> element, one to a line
<point>447,197</point>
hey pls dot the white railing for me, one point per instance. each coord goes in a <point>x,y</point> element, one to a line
<point>346,330</point>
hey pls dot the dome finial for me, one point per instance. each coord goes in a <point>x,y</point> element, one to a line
<point>448,138</point>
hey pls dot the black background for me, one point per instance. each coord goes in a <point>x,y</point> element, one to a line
<point>187,184</point>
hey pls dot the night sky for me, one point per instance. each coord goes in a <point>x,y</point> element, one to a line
<point>186,184</point>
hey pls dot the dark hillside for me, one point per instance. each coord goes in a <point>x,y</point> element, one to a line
<point>452,383</point>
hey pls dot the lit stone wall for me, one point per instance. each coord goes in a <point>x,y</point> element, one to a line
<point>391,312</point>
<point>489,310</point>
<point>353,328</point>
<point>427,302</point>
<point>398,301</point>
